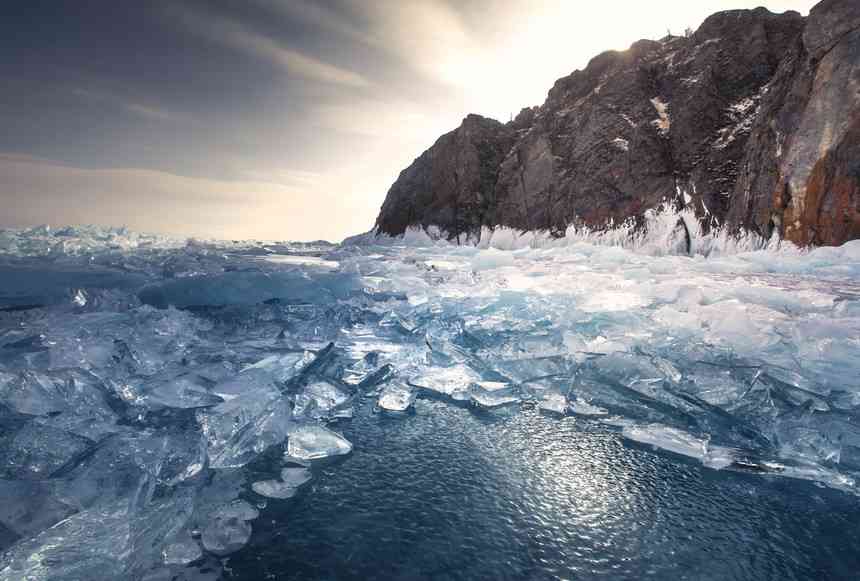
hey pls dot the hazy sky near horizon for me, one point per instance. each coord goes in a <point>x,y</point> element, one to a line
<point>273,119</point>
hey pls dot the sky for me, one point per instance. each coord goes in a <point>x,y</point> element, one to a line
<point>273,119</point>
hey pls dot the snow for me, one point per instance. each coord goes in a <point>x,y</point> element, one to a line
<point>741,117</point>
<point>663,123</point>
<point>202,371</point>
<point>621,144</point>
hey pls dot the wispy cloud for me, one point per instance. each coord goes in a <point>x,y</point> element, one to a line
<point>429,35</point>
<point>325,19</point>
<point>381,119</point>
<point>147,111</point>
<point>242,38</point>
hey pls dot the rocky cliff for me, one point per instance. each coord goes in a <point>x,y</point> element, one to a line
<point>751,121</point>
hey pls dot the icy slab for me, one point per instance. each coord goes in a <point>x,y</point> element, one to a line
<point>180,393</point>
<point>319,399</point>
<point>291,480</point>
<point>299,260</point>
<point>296,477</point>
<point>313,442</point>
<point>32,393</point>
<point>239,429</point>
<point>274,489</point>
<point>111,541</point>
<point>584,408</point>
<point>181,552</point>
<point>492,394</point>
<point>491,259</point>
<point>682,443</point>
<point>36,452</point>
<point>452,381</point>
<point>396,397</point>
<point>554,402</point>
<point>30,507</point>
<point>229,529</point>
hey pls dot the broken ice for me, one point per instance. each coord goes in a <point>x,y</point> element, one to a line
<point>492,394</point>
<point>453,381</point>
<point>313,442</point>
<point>145,381</point>
<point>291,480</point>
<point>396,397</point>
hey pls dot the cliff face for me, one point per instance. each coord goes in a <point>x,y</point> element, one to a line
<point>801,170</point>
<point>452,184</point>
<point>754,119</point>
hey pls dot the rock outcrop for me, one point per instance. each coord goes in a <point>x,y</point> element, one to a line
<point>753,120</point>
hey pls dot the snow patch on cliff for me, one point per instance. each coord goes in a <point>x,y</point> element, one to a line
<point>663,123</point>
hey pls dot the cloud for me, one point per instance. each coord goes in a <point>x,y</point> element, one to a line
<point>36,191</point>
<point>429,35</point>
<point>381,119</point>
<point>324,18</point>
<point>235,35</point>
<point>147,111</point>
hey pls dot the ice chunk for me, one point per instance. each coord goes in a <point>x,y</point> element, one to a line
<point>181,552</point>
<point>491,258</point>
<point>229,530</point>
<point>396,397</point>
<point>296,477</point>
<point>312,442</point>
<point>36,451</point>
<point>298,260</point>
<point>29,507</point>
<point>115,540</point>
<point>291,480</point>
<point>273,489</point>
<point>377,377</point>
<point>32,393</point>
<point>239,509</point>
<point>123,464</point>
<point>239,429</point>
<point>583,408</point>
<point>682,443</point>
<point>320,399</point>
<point>181,393</point>
<point>492,394</point>
<point>279,367</point>
<point>554,402</point>
<point>453,381</point>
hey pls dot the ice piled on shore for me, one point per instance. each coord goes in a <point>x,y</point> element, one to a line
<point>149,389</point>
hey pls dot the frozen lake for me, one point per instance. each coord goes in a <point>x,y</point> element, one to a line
<point>416,410</point>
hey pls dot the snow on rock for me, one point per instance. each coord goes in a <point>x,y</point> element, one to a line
<point>663,123</point>
<point>621,144</point>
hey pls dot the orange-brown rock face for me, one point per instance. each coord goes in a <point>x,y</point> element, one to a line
<point>830,210</point>
<point>802,167</point>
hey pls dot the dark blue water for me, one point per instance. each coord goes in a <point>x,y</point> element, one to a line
<point>448,493</point>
